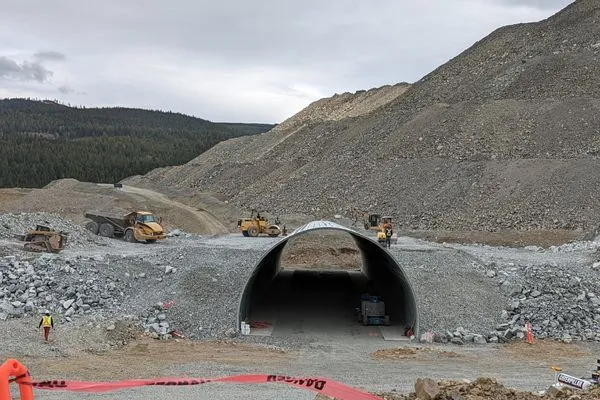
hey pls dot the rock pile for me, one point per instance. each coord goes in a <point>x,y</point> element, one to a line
<point>459,336</point>
<point>156,325</point>
<point>560,304</point>
<point>484,389</point>
<point>28,287</point>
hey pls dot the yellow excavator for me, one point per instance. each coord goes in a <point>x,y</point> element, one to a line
<point>257,224</point>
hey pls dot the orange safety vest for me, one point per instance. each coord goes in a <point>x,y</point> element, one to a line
<point>46,321</point>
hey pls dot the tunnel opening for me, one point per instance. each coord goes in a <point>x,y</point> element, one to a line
<point>315,280</point>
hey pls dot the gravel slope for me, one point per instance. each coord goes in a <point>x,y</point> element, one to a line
<point>503,136</point>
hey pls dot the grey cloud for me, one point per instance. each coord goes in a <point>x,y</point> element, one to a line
<point>285,33</point>
<point>50,56</point>
<point>288,50</point>
<point>26,71</point>
<point>65,89</point>
<point>539,4</point>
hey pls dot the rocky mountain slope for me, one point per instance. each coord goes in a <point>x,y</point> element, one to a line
<point>504,136</point>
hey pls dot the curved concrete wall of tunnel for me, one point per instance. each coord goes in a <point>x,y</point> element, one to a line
<point>378,266</point>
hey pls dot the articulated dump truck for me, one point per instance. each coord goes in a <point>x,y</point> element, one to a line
<point>133,227</point>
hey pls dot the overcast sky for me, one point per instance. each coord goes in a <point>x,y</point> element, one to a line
<point>235,60</point>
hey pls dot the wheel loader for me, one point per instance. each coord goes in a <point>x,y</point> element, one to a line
<point>257,225</point>
<point>44,239</point>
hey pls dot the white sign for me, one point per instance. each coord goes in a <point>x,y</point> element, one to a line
<point>573,382</point>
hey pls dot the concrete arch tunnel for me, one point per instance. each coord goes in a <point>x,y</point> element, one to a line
<point>272,292</point>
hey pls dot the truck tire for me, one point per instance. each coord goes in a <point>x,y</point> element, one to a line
<point>252,231</point>
<point>107,230</point>
<point>93,227</point>
<point>245,233</point>
<point>129,236</point>
<point>150,240</point>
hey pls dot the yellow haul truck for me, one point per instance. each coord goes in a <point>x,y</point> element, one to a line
<point>132,227</point>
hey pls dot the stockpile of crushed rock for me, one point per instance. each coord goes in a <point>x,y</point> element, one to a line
<point>560,303</point>
<point>503,136</point>
<point>103,288</point>
<point>65,287</point>
<point>466,298</point>
<point>484,389</point>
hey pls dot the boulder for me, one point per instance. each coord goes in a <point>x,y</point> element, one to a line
<point>426,389</point>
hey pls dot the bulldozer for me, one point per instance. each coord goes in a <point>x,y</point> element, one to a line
<point>44,239</point>
<point>257,225</point>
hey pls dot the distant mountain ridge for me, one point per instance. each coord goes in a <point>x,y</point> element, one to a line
<point>20,115</point>
<point>99,144</point>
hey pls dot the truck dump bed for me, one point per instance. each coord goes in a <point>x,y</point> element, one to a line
<point>118,221</point>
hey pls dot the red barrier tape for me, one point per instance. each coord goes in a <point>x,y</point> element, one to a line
<point>320,385</point>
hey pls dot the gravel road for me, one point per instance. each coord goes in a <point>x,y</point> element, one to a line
<point>350,361</point>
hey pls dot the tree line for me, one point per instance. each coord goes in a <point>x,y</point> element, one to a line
<point>41,141</point>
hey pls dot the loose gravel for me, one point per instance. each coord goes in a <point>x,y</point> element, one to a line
<point>190,285</point>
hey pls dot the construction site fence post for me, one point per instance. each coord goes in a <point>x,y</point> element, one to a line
<point>14,369</point>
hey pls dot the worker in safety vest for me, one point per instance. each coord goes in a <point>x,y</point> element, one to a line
<point>47,323</point>
<point>389,231</point>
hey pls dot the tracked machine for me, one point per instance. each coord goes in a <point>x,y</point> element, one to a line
<point>44,239</point>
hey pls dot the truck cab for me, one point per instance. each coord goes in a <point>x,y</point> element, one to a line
<point>145,226</point>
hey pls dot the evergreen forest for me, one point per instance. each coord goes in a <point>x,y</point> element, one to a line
<point>41,141</point>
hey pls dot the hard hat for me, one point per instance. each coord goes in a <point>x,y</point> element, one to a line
<point>47,312</point>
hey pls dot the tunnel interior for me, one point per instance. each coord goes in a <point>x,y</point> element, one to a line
<point>299,301</point>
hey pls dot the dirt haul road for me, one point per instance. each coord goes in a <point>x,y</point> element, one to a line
<point>207,222</point>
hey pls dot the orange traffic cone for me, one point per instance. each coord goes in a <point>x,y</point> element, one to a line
<point>529,333</point>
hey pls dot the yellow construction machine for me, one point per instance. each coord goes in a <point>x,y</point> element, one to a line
<point>380,224</point>
<point>132,227</point>
<point>257,224</point>
<point>44,239</point>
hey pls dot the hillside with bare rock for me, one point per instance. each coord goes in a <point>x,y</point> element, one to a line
<point>245,160</point>
<point>505,136</point>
